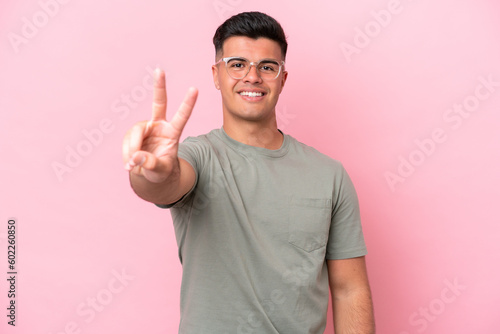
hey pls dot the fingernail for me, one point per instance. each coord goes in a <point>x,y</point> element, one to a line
<point>157,72</point>
<point>142,160</point>
<point>128,167</point>
<point>149,125</point>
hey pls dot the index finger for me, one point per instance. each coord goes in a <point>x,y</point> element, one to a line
<point>159,97</point>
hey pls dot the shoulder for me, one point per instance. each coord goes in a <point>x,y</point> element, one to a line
<point>204,142</point>
<point>197,150</point>
<point>203,139</point>
<point>313,155</point>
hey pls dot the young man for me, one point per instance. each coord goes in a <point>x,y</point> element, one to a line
<point>264,224</point>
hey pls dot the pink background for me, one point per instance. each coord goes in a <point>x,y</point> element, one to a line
<point>69,78</point>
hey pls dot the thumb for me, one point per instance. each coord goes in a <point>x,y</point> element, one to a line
<point>142,159</point>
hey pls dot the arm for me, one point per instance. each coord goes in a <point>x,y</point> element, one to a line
<point>351,296</point>
<point>150,150</point>
<point>169,191</point>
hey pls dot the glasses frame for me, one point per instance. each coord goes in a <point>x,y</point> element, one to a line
<point>254,63</point>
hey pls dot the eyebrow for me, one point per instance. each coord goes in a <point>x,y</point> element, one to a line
<point>268,60</point>
<point>237,58</point>
<point>264,60</point>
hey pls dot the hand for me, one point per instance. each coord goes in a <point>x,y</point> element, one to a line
<point>150,147</point>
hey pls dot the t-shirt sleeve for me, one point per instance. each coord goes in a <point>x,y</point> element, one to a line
<point>190,150</point>
<point>346,238</point>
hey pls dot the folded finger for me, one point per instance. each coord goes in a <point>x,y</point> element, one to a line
<point>136,138</point>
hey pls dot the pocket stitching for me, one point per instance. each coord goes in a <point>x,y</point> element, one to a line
<point>294,238</point>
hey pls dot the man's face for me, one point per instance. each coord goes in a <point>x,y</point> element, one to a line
<point>241,106</point>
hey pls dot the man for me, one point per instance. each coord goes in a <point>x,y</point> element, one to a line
<point>263,222</point>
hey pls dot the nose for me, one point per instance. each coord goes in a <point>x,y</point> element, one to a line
<point>253,74</point>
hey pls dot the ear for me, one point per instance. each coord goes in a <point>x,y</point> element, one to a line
<point>283,80</point>
<point>215,74</point>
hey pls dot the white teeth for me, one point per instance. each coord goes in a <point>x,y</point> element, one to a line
<point>253,94</point>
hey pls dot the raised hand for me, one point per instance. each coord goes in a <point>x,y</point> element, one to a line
<point>150,147</point>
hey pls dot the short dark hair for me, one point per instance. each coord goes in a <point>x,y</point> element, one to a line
<point>253,25</point>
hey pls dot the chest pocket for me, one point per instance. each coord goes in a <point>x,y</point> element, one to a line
<point>309,222</point>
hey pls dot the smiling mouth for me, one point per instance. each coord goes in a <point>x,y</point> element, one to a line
<point>251,94</point>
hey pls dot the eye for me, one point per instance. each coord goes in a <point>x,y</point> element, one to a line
<point>269,67</point>
<point>236,64</point>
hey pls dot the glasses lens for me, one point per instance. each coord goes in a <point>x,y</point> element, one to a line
<point>268,69</point>
<point>238,68</point>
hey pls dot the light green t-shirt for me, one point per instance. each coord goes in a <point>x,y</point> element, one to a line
<point>254,234</point>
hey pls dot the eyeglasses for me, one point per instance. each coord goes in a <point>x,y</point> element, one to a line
<point>239,67</point>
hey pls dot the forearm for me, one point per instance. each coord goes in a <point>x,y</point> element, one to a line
<point>158,193</point>
<point>353,312</point>
<point>178,181</point>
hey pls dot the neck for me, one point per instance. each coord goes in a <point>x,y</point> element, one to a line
<point>255,133</point>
